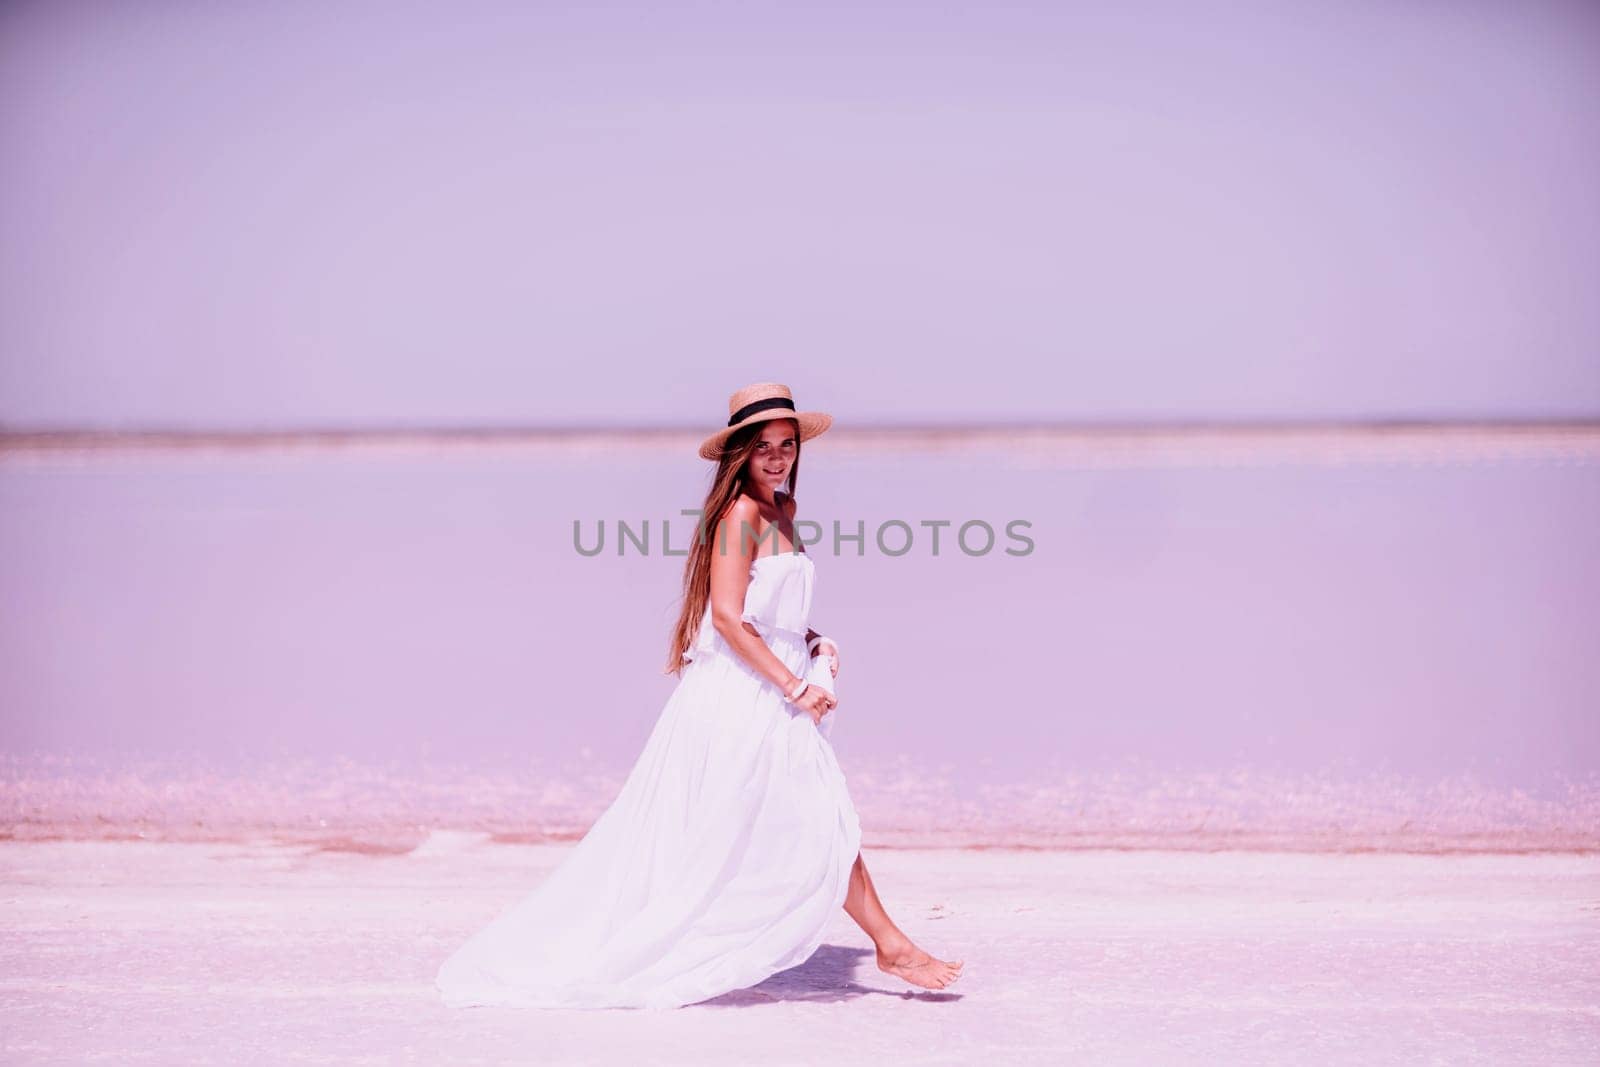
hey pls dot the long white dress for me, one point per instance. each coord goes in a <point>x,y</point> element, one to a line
<point>721,860</point>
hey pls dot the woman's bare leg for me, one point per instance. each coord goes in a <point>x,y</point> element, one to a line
<point>896,953</point>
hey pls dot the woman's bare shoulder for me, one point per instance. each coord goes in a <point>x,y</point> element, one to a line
<point>742,514</point>
<point>743,507</point>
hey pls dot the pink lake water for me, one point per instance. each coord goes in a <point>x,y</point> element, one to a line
<point>1341,647</point>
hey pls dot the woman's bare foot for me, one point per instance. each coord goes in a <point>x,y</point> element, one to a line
<point>917,967</point>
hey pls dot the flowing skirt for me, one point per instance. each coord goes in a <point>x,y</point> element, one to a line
<point>720,862</point>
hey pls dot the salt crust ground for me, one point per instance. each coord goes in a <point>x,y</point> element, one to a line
<point>254,952</point>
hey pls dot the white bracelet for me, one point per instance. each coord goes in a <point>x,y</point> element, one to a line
<point>811,645</point>
<point>801,688</point>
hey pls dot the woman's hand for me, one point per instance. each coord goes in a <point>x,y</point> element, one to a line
<point>815,702</point>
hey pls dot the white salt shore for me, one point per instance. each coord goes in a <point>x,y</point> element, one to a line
<point>258,952</point>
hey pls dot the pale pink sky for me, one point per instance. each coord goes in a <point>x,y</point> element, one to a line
<point>309,214</point>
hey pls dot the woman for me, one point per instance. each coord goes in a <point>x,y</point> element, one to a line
<point>733,838</point>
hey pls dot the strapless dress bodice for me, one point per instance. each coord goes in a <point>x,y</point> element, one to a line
<point>777,601</point>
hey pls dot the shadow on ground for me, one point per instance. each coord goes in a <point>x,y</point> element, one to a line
<point>828,977</point>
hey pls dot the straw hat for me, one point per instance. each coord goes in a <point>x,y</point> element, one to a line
<point>760,403</point>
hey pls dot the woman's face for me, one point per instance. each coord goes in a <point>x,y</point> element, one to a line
<point>774,455</point>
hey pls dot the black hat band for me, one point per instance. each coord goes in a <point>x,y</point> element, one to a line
<point>760,405</point>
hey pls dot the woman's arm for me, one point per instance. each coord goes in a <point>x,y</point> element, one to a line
<point>731,561</point>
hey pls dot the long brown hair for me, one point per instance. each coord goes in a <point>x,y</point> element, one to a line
<point>726,485</point>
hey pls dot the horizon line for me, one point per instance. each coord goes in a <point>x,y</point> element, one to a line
<point>1059,443</point>
<point>16,432</point>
